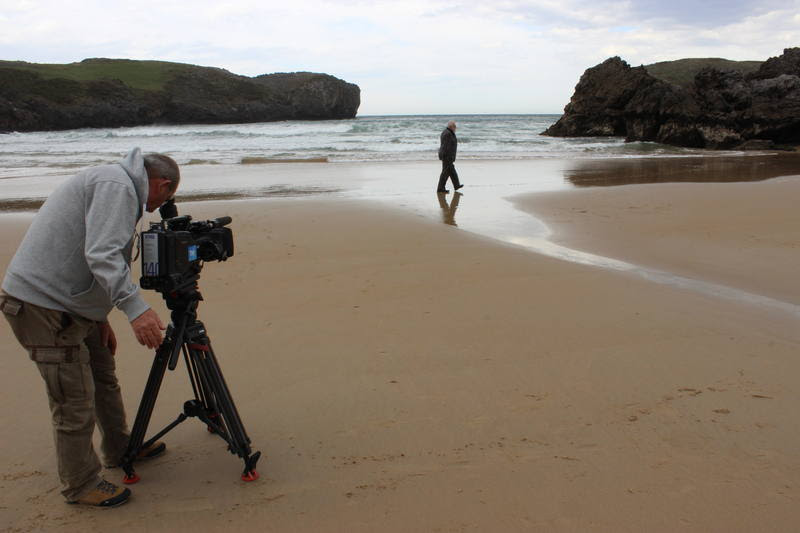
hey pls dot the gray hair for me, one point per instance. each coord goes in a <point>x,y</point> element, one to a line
<point>451,124</point>
<point>163,166</point>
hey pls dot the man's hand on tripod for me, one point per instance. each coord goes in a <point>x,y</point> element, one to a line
<point>148,329</point>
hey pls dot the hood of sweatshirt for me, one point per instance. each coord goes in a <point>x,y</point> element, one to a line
<point>133,163</point>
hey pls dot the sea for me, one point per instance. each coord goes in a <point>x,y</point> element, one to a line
<point>32,164</point>
<point>390,160</point>
<point>363,139</point>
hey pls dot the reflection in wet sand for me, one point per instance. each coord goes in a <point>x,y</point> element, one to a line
<point>602,172</point>
<point>449,210</point>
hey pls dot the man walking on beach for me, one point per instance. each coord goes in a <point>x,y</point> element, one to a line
<point>448,146</point>
<point>71,269</point>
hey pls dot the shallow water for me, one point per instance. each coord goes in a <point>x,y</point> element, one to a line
<point>490,214</point>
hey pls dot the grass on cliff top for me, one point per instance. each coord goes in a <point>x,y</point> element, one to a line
<point>683,71</point>
<point>148,75</point>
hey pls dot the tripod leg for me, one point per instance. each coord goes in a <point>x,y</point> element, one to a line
<point>145,410</point>
<point>219,401</point>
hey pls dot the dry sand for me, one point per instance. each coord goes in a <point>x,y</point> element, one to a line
<point>402,375</point>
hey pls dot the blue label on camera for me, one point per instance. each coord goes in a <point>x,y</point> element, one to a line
<point>193,252</point>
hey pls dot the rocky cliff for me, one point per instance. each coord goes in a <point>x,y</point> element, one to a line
<point>112,93</point>
<point>719,109</point>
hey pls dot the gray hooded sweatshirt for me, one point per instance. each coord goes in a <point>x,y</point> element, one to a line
<point>76,254</point>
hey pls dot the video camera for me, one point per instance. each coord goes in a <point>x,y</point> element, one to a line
<point>173,252</point>
<point>173,249</point>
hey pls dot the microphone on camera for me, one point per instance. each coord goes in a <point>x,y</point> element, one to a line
<point>168,210</point>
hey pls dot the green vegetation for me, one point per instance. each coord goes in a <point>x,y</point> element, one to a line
<point>108,93</point>
<point>683,71</point>
<point>148,75</point>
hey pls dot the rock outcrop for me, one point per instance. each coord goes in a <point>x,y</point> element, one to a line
<point>34,98</point>
<point>721,109</point>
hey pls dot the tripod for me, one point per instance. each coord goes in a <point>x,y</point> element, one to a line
<point>212,403</point>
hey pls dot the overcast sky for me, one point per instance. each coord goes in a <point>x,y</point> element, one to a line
<point>410,56</point>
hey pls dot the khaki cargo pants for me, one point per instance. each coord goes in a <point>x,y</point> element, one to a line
<point>79,374</point>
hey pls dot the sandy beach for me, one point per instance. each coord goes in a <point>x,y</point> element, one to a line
<point>400,374</point>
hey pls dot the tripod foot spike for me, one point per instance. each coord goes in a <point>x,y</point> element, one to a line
<point>130,479</point>
<point>250,476</point>
<point>249,473</point>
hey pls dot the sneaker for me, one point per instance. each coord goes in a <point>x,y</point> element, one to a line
<point>459,186</point>
<point>105,494</point>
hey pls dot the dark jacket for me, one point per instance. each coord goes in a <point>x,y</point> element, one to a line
<point>448,145</point>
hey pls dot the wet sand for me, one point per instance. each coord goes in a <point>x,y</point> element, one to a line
<point>715,169</point>
<point>402,375</point>
<point>742,235</point>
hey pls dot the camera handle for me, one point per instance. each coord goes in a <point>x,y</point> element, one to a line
<point>212,403</point>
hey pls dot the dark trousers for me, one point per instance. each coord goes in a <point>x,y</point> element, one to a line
<point>448,171</point>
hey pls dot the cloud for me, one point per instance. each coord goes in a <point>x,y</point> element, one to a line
<point>408,56</point>
<point>702,14</point>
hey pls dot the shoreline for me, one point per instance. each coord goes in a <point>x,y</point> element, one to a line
<point>496,214</point>
<point>369,179</point>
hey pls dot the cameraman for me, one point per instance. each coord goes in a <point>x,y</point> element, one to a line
<point>71,269</point>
